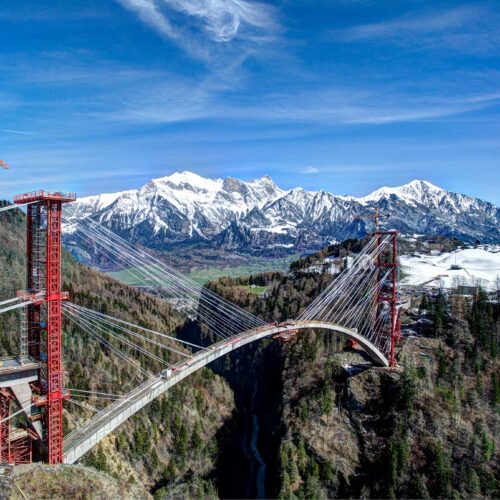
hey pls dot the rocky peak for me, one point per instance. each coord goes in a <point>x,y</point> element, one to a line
<point>185,206</point>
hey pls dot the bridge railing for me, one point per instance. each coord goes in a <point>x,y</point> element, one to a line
<point>43,195</point>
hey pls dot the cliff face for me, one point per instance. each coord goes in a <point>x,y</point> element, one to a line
<point>427,430</point>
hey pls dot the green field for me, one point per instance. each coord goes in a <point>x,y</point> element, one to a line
<point>258,290</point>
<point>137,276</point>
<point>259,265</point>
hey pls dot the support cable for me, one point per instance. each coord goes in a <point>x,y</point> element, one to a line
<point>74,318</point>
<point>169,337</point>
<point>171,274</point>
<point>93,323</point>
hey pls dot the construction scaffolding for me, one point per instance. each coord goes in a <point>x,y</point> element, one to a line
<point>34,380</point>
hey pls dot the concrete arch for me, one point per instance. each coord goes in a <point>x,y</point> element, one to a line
<point>78,442</point>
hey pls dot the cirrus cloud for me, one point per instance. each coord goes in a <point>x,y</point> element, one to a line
<point>310,170</point>
<point>221,21</point>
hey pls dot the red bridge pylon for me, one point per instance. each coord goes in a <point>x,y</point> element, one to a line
<point>34,379</point>
<point>388,260</point>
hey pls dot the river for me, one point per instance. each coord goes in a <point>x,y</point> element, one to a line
<point>261,469</point>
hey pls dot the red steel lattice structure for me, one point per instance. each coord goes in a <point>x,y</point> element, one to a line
<point>388,259</point>
<point>4,426</point>
<point>44,279</point>
<point>20,447</point>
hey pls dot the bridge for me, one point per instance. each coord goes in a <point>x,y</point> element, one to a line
<point>80,441</point>
<point>360,303</point>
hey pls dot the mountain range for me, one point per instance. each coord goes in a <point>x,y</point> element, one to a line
<point>258,216</point>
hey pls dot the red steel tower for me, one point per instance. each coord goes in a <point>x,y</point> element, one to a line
<point>387,259</point>
<point>42,342</point>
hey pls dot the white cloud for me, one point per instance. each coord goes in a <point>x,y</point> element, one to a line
<point>123,96</point>
<point>409,25</point>
<point>222,21</point>
<point>151,15</point>
<point>310,170</point>
<point>375,106</point>
<point>467,29</point>
<point>12,131</point>
<point>209,98</point>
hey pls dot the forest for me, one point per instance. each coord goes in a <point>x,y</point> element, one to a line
<point>428,430</point>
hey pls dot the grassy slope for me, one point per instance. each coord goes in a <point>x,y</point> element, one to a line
<point>65,481</point>
<point>135,276</point>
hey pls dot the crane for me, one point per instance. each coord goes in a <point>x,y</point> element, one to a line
<point>376,216</point>
<point>4,165</point>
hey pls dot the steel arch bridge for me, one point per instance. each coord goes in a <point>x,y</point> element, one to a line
<point>360,303</point>
<point>101,425</point>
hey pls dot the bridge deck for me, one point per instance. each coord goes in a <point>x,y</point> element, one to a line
<point>14,371</point>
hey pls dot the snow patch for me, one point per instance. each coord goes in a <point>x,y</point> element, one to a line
<point>472,266</point>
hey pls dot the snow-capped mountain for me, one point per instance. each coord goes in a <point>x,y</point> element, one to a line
<point>308,220</point>
<point>259,216</point>
<point>181,207</point>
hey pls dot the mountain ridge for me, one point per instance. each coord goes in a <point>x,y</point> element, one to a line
<point>258,215</point>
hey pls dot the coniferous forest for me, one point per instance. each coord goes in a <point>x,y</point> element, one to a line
<point>428,430</point>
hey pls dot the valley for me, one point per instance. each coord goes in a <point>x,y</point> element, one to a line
<point>197,222</point>
<point>249,249</point>
<point>206,267</point>
<point>310,418</point>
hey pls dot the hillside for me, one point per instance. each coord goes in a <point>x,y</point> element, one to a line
<point>329,428</point>
<point>427,262</point>
<point>305,419</point>
<point>66,481</point>
<point>173,442</point>
<point>464,266</point>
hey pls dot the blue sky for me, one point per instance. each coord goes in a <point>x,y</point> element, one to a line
<point>343,95</point>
